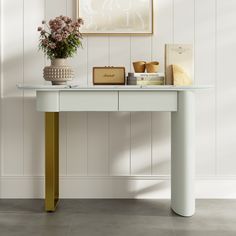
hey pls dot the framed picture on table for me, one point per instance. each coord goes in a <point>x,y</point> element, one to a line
<point>116,17</point>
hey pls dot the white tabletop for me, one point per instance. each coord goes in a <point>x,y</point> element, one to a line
<point>113,87</point>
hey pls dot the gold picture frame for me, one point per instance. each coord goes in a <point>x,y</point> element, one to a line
<point>116,17</point>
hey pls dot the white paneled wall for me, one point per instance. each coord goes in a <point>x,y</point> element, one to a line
<point>118,154</point>
<point>226,85</point>
<point>205,73</point>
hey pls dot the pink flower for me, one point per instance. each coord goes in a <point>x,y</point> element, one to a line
<point>58,37</point>
<point>61,32</point>
<point>45,42</point>
<point>43,32</point>
<point>65,35</point>
<point>68,21</point>
<point>66,28</point>
<point>78,34</point>
<point>70,29</point>
<point>60,22</point>
<point>52,45</point>
<point>80,21</point>
<point>77,25</point>
<point>65,18</point>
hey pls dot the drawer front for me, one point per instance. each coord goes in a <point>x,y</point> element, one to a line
<point>47,101</point>
<point>88,101</point>
<point>148,101</point>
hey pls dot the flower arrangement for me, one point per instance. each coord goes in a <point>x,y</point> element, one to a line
<point>61,37</point>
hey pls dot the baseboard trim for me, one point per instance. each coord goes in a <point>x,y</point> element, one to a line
<point>115,187</point>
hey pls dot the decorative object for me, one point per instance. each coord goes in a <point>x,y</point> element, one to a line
<point>180,76</point>
<point>59,72</point>
<point>152,67</point>
<point>132,17</point>
<point>145,79</point>
<point>181,55</point>
<point>139,66</point>
<point>108,75</point>
<point>59,40</point>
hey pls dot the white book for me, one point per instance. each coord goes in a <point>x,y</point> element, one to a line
<point>160,74</point>
<point>150,78</point>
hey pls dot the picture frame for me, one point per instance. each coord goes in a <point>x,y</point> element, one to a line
<point>116,17</point>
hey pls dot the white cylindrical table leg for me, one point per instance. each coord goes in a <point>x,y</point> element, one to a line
<point>183,155</point>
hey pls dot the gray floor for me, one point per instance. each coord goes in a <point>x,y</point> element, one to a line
<point>116,217</point>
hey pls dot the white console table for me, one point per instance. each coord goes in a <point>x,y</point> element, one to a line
<point>177,100</point>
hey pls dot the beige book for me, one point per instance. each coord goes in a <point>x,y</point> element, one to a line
<point>180,76</point>
<point>181,55</point>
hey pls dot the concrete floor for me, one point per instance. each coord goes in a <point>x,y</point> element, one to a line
<point>116,217</point>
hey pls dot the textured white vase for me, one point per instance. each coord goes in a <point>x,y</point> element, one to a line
<point>58,72</point>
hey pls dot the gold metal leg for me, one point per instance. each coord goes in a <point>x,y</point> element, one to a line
<point>51,160</point>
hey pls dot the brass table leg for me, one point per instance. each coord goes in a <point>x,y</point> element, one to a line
<point>51,160</point>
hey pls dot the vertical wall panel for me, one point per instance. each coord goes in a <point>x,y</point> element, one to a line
<point>141,143</point>
<point>98,160</point>
<point>119,50</point>
<point>163,30</point>
<point>119,143</point>
<point>161,143</point>
<point>183,20</point>
<point>141,49</point>
<point>33,69</point>
<point>1,80</point>
<point>98,54</point>
<point>77,143</point>
<point>226,84</point>
<point>33,139</point>
<point>12,100</point>
<point>54,8</point>
<point>161,120</point>
<point>205,74</point>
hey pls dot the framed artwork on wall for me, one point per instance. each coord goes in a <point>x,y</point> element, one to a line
<point>116,17</point>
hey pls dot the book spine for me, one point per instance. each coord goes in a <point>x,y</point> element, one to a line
<point>150,78</point>
<point>148,74</point>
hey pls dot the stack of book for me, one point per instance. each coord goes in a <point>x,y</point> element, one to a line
<point>146,79</point>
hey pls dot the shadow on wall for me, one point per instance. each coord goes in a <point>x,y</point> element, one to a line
<point>143,143</point>
<point>23,129</point>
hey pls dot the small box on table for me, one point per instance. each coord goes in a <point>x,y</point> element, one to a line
<point>109,75</point>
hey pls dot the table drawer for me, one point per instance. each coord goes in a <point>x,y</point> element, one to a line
<point>89,101</point>
<point>147,101</point>
<point>48,101</point>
